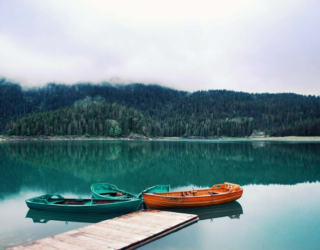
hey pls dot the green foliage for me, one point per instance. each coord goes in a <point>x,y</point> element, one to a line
<point>117,131</point>
<point>153,111</point>
<point>111,133</point>
<point>91,119</point>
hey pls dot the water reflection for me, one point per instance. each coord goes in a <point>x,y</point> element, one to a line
<point>45,216</point>
<point>233,210</point>
<point>284,216</point>
<point>73,166</point>
<point>276,217</point>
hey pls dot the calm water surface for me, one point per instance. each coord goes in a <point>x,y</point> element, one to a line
<point>280,208</point>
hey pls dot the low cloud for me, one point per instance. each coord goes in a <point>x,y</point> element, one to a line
<point>264,46</point>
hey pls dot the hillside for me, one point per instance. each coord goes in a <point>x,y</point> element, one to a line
<point>165,112</point>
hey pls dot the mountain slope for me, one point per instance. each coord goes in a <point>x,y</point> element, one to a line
<point>177,113</point>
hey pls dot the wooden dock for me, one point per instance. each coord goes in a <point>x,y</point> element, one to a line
<point>125,232</point>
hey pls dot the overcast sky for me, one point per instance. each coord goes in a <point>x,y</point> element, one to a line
<point>247,45</point>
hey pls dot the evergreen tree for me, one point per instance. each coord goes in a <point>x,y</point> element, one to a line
<point>111,133</point>
<point>152,110</point>
<point>117,131</point>
<point>69,129</point>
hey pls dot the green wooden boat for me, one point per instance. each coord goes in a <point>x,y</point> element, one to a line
<point>61,204</point>
<point>110,192</point>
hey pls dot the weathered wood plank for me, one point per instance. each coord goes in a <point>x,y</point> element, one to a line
<point>111,233</point>
<point>119,231</point>
<point>168,214</point>
<point>141,218</point>
<point>72,237</point>
<point>154,216</point>
<point>159,213</point>
<point>135,227</point>
<point>125,226</point>
<point>125,232</point>
<point>36,245</point>
<point>17,248</point>
<point>52,242</point>
<point>144,223</point>
<point>162,234</point>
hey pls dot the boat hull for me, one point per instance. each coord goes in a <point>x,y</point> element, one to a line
<point>116,207</point>
<point>154,201</point>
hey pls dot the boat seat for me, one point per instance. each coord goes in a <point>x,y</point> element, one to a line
<point>90,203</point>
<point>54,202</point>
<point>213,193</point>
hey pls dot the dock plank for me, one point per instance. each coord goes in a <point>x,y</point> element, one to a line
<point>81,243</point>
<point>118,231</point>
<point>156,216</point>
<point>125,226</point>
<point>125,232</point>
<point>112,233</point>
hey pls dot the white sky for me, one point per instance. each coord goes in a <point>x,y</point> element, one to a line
<point>252,46</point>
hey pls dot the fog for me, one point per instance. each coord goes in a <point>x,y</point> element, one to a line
<point>252,46</point>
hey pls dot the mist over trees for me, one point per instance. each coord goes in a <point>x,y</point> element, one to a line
<point>151,110</point>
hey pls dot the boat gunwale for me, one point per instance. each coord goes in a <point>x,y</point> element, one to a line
<point>94,191</point>
<point>197,196</point>
<point>83,205</point>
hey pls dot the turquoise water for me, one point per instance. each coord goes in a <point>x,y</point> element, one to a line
<point>280,208</point>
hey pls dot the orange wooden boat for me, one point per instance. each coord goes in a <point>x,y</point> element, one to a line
<point>160,197</point>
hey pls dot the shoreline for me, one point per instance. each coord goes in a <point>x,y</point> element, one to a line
<point>144,138</point>
<point>71,138</point>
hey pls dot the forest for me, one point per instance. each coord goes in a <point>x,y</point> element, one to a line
<point>152,110</point>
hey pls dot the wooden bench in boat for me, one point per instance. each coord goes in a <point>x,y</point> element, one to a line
<point>160,196</point>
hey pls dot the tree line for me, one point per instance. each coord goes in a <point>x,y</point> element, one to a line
<point>159,111</point>
<point>95,119</point>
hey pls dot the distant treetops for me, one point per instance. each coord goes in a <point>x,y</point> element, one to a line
<point>150,110</point>
<point>93,119</point>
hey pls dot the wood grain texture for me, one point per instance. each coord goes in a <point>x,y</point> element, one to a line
<point>218,194</point>
<point>125,232</point>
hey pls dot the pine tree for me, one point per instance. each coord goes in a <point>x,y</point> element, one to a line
<point>154,111</point>
<point>100,129</point>
<point>69,129</point>
<point>111,133</point>
<point>117,131</point>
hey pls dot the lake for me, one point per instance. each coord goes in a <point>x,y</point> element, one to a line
<point>280,207</point>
